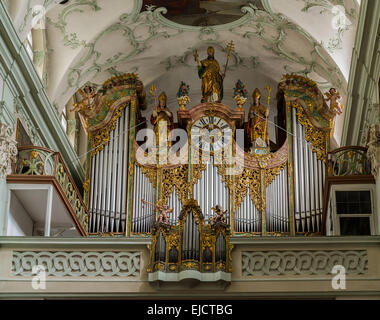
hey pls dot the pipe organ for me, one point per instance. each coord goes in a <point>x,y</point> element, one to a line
<point>191,246</point>
<point>277,214</point>
<point>210,190</point>
<point>191,208</point>
<point>247,217</point>
<point>264,192</point>
<point>309,178</point>
<point>108,180</point>
<point>145,216</point>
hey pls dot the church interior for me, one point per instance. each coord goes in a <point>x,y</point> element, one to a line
<point>190,149</point>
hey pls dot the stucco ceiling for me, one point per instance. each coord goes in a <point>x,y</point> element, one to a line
<point>92,40</point>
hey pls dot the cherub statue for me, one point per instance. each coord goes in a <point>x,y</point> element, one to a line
<point>334,97</point>
<point>84,107</point>
<point>219,215</point>
<point>163,210</point>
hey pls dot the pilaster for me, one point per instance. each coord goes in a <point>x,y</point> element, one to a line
<point>8,153</point>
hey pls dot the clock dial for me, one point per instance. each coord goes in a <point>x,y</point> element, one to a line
<point>211,133</point>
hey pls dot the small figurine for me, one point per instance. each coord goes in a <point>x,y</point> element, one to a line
<point>240,90</point>
<point>163,210</point>
<point>334,97</point>
<point>240,94</point>
<point>183,96</point>
<point>219,214</point>
<point>183,90</point>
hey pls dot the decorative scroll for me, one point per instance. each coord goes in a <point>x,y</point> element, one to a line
<point>177,177</point>
<point>150,173</point>
<point>77,264</point>
<point>102,137</point>
<point>274,263</point>
<point>312,111</point>
<point>315,136</point>
<point>272,173</point>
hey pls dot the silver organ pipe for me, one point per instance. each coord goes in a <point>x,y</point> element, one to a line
<point>190,239</point>
<point>247,217</point>
<point>277,217</point>
<point>144,215</point>
<point>93,193</point>
<point>309,177</point>
<point>175,203</point>
<point>210,191</point>
<point>108,184</point>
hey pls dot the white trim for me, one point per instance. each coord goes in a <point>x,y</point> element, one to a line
<point>49,205</point>
<point>354,187</point>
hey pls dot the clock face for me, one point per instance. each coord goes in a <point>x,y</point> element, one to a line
<point>211,133</point>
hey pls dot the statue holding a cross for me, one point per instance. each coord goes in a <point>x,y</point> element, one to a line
<point>210,73</point>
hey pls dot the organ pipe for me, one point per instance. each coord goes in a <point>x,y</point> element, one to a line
<point>108,187</point>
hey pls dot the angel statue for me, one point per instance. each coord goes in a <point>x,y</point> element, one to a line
<point>84,107</point>
<point>163,210</point>
<point>334,97</point>
<point>219,215</point>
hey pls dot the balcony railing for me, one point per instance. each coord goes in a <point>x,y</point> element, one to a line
<point>348,161</point>
<point>42,164</point>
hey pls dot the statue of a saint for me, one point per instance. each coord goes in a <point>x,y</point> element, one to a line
<point>257,122</point>
<point>212,78</point>
<point>162,121</point>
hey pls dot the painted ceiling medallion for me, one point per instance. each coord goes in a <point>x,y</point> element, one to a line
<point>202,13</point>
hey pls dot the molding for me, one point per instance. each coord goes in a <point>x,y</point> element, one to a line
<point>25,84</point>
<point>190,274</point>
<point>77,263</point>
<point>113,242</point>
<point>311,262</point>
<point>304,241</point>
<point>98,243</point>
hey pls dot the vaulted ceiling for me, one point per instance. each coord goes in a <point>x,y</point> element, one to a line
<point>89,41</point>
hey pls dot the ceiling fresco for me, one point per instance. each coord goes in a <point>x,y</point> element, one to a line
<point>91,40</point>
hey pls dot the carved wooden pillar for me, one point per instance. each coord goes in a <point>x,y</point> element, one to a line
<point>8,153</point>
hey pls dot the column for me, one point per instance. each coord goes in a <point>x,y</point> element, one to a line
<point>373,155</point>
<point>8,154</point>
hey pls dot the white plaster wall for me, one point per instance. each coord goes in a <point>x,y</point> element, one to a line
<point>19,222</point>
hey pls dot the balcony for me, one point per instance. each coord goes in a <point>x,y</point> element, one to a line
<point>43,198</point>
<point>117,268</point>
